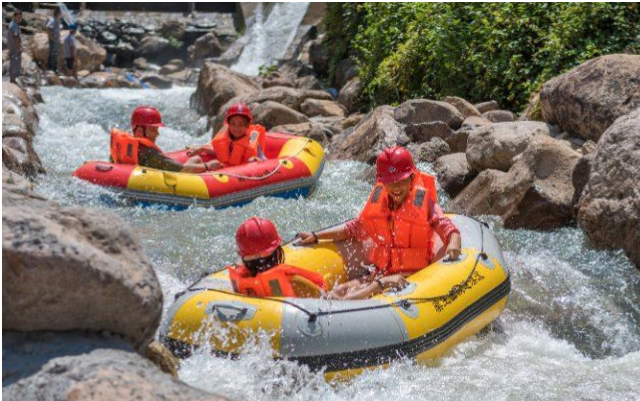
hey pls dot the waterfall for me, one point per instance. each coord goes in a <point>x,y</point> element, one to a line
<point>268,38</point>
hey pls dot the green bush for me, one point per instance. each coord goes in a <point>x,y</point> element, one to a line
<point>479,51</point>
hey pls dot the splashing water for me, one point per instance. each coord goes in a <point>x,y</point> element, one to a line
<point>571,330</point>
<point>269,38</point>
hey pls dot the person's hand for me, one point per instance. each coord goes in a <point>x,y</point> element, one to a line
<point>307,238</point>
<point>396,282</point>
<point>453,249</point>
<point>254,159</point>
<point>213,165</point>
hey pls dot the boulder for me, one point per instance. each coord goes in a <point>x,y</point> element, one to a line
<point>160,356</point>
<point>487,106</point>
<point>103,374</point>
<point>300,129</point>
<point>170,69</point>
<point>205,46</point>
<point>377,131</point>
<point>495,146</point>
<point>535,193</point>
<point>428,151</point>
<point>457,141</point>
<point>499,116</point>
<point>157,81</point>
<point>588,99</point>
<point>454,173</point>
<point>217,85</point>
<point>172,29</point>
<point>141,63</point>
<point>271,114</point>
<point>350,93</point>
<point>308,82</point>
<point>345,71</point>
<point>465,108</point>
<point>580,177</point>
<point>105,79</point>
<point>418,111</point>
<point>609,209</point>
<point>153,46</point>
<point>70,268</point>
<point>319,56</point>
<point>426,131</point>
<point>276,79</point>
<point>318,107</point>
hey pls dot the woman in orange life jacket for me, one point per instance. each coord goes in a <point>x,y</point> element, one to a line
<point>141,149</point>
<point>396,225</point>
<point>238,142</point>
<point>263,272</point>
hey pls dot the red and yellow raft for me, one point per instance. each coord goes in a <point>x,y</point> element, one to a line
<point>292,169</point>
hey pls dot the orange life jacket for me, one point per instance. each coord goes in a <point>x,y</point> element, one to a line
<point>124,147</point>
<point>402,238</point>
<point>241,149</point>
<point>274,282</point>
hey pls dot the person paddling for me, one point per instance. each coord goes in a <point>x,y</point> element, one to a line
<point>140,147</point>
<point>238,142</point>
<point>263,271</point>
<point>397,226</point>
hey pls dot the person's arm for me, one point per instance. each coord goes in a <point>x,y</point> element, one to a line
<point>50,30</point>
<point>337,233</point>
<point>447,231</point>
<point>367,287</point>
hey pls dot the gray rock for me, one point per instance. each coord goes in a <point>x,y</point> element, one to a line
<point>609,209</point>
<point>74,269</point>
<point>141,63</point>
<point>487,106</point>
<point>499,116</point>
<point>158,81</point>
<point>350,95</point>
<point>465,108</point>
<point>271,114</point>
<point>453,172</point>
<point>428,151</point>
<point>418,111</point>
<point>377,131</point>
<point>152,46</point>
<point>318,107</point>
<point>588,99</point>
<point>495,146</point>
<point>426,131</point>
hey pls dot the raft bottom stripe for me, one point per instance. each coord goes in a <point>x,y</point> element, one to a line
<point>376,356</point>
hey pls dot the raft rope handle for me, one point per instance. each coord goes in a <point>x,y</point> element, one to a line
<point>403,303</point>
<point>269,174</point>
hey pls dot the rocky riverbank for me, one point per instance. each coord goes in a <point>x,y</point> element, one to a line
<point>81,301</point>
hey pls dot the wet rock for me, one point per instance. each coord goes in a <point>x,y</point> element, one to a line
<point>318,107</point>
<point>74,269</point>
<point>588,99</point>
<point>125,53</point>
<point>217,85</point>
<point>103,374</point>
<point>454,173</point>
<point>172,67</point>
<point>418,111</point>
<point>580,177</point>
<point>495,146</point>
<point>345,71</point>
<point>465,108</point>
<point>172,29</point>
<point>428,151</point>
<point>205,46</point>
<point>458,139</point>
<point>499,116</point>
<point>141,63</point>
<point>426,131</point>
<point>487,106</point>
<point>153,46</point>
<point>271,114</point>
<point>307,82</point>
<point>377,131</point>
<point>609,209</point>
<point>535,193</point>
<point>350,94</point>
<point>160,356</point>
<point>50,78</point>
<point>105,79</point>
<point>157,81</point>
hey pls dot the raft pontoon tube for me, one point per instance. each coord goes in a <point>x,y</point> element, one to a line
<point>442,305</point>
<point>292,168</point>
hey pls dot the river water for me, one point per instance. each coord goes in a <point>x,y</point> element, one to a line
<point>571,330</point>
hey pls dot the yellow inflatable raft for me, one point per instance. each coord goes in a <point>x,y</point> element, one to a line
<point>443,304</point>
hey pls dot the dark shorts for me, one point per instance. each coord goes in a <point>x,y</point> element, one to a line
<point>69,62</point>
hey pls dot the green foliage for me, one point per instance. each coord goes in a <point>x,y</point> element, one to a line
<point>266,70</point>
<point>479,51</point>
<point>175,43</point>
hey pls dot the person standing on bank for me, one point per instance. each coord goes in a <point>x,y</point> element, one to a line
<point>397,226</point>
<point>70,52</point>
<point>14,41</point>
<point>53,32</point>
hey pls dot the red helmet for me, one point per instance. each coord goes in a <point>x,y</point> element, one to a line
<point>394,164</point>
<point>238,109</point>
<point>146,116</point>
<point>257,237</point>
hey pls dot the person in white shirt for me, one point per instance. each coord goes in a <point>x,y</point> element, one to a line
<point>70,51</point>
<point>14,42</point>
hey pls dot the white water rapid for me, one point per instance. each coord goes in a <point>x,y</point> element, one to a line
<point>571,330</point>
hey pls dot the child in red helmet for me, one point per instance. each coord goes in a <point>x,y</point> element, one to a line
<point>238,142</point>
<point>263,272</point>
<point>141,149</point>
<point>397,225</point>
